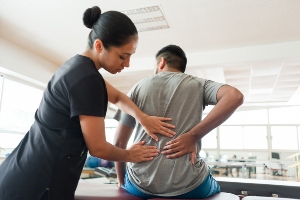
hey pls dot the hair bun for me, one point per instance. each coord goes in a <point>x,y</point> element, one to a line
<point>90,16</point>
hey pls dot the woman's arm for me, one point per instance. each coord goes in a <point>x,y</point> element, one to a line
<point>121,139</point>
<point>93,130</point>
<point>151,124</point>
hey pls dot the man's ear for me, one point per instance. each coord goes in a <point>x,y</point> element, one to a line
<point>162,63</point>
<point>98,45</point>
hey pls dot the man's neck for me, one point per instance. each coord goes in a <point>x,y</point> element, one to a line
<point>169,69</point>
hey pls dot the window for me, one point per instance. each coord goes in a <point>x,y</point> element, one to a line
<point>284,137</point>
<point>19,103</point>
<point>248,117</point>
<point>231,137</point>
<point>1,82</point>
<point>255,137</point>
<point>110,131</point>
<point>10,140</point>
<point>210,140</point>
<point>299,137</point>
<point>243,137</point>
<point>110,134</point>
<point>285,115</point>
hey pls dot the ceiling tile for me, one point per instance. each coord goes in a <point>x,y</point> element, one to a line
<point>238,81</point>
<point>290,70</point>
<point>289,77</point>
<point>265,71</point>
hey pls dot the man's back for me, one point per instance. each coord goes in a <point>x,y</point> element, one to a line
<point>180,97</point>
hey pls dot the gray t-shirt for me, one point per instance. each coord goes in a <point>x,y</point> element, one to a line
<point>181,97</point>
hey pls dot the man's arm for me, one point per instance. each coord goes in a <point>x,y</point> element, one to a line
<point>229,99</point>
<point>121,139</point>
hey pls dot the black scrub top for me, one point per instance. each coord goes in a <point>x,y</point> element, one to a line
<point>48,161</point>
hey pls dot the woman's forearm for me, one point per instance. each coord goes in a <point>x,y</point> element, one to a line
<point>124,103</point>
<point>110,152</point>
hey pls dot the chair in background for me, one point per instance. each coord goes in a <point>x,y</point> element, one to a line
<point>276,166</point>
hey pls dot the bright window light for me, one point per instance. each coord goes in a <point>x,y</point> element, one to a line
<point>110,134</point>
<point>10,140</point>
<point>286,115</point>
<point>19,103</point>
<point>210,140</point>
<point>231,137</point>
<point>248,117</point>
<point>299,137</point>
<point>284,137</point>
<point>255,137</point>
<point>1,81</point>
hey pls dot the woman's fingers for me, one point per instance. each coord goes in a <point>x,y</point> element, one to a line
<point>167,125</point>
<point>153,125</point>
<point>164,118</point>
<point>139,152</point>
<point>153,136</point>
<point>166,132</point>
<point>140,143</point>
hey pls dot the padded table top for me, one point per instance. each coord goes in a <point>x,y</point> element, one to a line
<point>219,196</point>
<point>99,191</point>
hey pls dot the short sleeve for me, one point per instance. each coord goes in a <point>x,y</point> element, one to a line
<point>124,118</point>
<point>211,89</point>
<point>89,97</point>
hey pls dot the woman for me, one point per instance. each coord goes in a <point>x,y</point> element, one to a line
<point>70,119</point>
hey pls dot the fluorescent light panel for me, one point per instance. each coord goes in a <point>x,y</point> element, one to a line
<point>148,18</point>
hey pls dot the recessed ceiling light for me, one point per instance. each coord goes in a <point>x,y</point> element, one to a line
<point>148,18</point>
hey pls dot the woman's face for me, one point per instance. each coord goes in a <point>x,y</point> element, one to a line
<point>115,59</point>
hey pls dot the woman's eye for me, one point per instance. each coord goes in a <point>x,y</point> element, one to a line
<point>122,58</point>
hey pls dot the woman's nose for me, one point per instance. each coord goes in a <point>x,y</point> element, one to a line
<point>126,62</point>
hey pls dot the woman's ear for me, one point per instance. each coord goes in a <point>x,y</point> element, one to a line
<point>98,45</point>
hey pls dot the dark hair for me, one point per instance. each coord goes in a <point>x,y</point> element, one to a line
<point>174,56</point>
<point>112,28</point>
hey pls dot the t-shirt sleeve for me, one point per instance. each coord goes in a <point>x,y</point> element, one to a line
<point>211,89</point>
<point>124,118</point>
<point>88,97</point>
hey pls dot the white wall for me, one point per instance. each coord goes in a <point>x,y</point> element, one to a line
<point>23,64</point>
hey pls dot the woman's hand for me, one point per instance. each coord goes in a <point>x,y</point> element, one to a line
<point>140,153</point>
<point>153,124</point>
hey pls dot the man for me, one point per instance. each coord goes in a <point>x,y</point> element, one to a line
<point>172,93</point>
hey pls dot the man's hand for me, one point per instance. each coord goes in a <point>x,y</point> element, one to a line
<point>140,153</point>
<point>153,124</point>
<point>180,146</point>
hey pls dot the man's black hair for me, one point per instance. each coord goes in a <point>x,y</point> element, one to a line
<point>174,56</point>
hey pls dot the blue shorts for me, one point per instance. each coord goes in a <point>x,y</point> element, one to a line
<point>207,188</point>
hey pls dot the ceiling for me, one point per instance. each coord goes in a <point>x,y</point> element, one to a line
<point>250,44</point>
